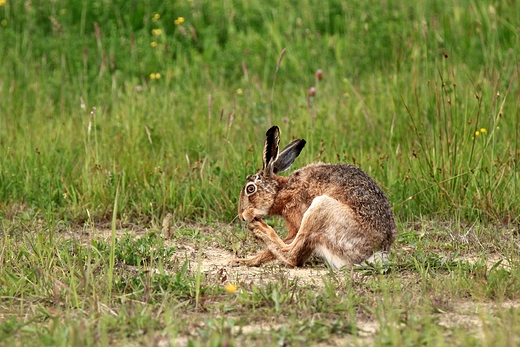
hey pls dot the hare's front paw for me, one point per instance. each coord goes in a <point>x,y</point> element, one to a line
<point>262,231</point>
<point>256,224</point>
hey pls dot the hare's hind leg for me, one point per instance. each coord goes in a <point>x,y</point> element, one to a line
<point>326,229</point>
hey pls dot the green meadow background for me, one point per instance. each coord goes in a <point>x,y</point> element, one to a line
<point>168,102</point>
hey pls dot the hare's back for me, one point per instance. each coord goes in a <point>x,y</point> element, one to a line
<point>350,185</point>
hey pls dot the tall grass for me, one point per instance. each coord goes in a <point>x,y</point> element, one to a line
<point>405,89</point>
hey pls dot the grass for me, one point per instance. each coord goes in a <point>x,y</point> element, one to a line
<point>403,93</point>
<point>57,293</point>
<point>114,114</point>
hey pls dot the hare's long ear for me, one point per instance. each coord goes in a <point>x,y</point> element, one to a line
<point>286,157</point>
<point>272,139</point>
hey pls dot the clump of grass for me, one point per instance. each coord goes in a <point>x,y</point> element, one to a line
<point>457,162</point>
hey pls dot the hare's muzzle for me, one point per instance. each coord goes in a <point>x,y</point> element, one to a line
<point>247,215</point>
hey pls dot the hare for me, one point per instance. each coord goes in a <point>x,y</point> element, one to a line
<point>335,211</point>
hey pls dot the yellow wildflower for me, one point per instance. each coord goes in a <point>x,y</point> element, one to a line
<point>3,2</point>
<point>156,17</point>
<point>153,44</point>
<point>155,32</point>
<point>155,76</point>
<point>239,91</point>
<point>178,21</point>
<point>483,130</point>
<point>231,288</point>
<point>477,133</point>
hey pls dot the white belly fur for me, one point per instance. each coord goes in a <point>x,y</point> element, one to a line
<point>334,260</point>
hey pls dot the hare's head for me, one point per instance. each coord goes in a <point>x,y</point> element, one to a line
<point>259,193</point>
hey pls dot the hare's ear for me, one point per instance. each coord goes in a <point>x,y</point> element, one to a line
<point>272,139</point>
<point>286,157</point>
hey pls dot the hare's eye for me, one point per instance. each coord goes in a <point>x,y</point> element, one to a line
<point>250,189</point>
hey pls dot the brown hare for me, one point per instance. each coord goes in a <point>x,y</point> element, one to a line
<point>335,211</point>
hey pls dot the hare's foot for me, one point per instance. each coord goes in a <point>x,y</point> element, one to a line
<point>261,258</point>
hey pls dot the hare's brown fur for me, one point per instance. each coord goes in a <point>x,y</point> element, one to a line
<point>332,210</point>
